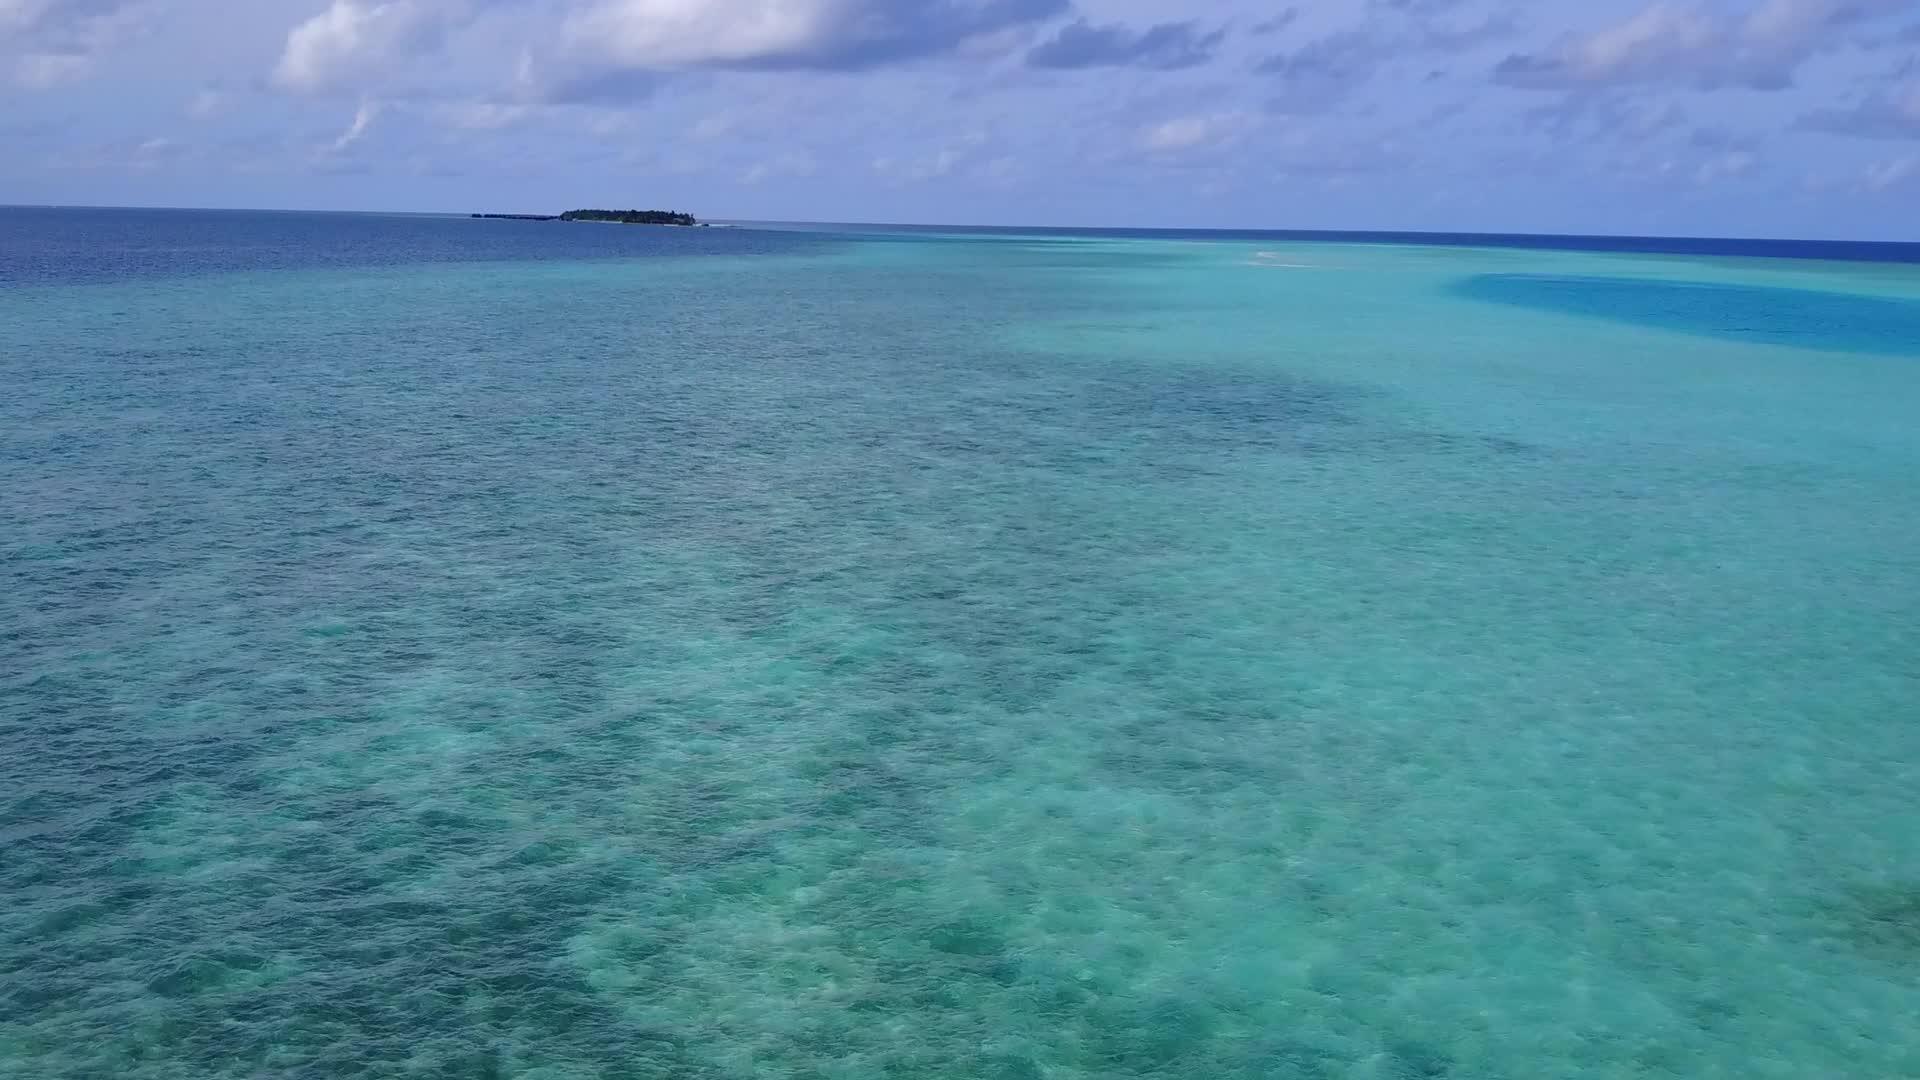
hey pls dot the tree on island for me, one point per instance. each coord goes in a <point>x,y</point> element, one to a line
<point>631,217</point>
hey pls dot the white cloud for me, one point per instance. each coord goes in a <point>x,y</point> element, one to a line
<point>362,119</point>
<point>139,155</point>
<point>1892,113</point>
<point>715,126</point>
<point>1198,131</point>
<point>1734,163</point>
<point>64,24</point>
<point>943,161</point>
<point>57,41</point>
<point>1003,171</point>
<point>674,33</point>
<point>18,16</point>
<point>1761,47</point>
<point>482,115</point>
<point>1882,175</point>
<point>40,71</point>
<point>790,164</point>
<point>206,103</point>
<point>354,40</point>
<point>1657,36</point>
<point>613,48</point>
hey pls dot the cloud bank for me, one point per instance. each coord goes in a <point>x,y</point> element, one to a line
<point>1577,114</point>
<point>1759,48</point>
<point>1164,47</point>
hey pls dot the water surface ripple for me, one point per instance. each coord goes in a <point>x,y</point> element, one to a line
<point>732,654</point>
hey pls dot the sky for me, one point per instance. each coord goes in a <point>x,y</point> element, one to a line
<point>1791,118</point>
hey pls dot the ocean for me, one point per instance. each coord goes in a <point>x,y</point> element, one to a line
<point>480,649</point>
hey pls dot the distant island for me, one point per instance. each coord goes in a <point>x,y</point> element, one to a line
<point>631,217</point>
<point>622,217</point>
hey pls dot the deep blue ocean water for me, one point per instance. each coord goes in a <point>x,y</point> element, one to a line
<point>449,648</point>
<point>1893,251</point>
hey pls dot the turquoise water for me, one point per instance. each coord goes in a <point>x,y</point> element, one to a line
<point>501,650</point>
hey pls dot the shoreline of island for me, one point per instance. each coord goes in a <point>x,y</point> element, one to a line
<point>618,217</point>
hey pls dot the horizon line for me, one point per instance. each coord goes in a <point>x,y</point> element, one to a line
<point>1222,229</point>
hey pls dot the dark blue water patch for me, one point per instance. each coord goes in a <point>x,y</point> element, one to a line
<point>65,246</point>
<point>1876,251</point>
<point>1883,918</point>
<point>1751,314</point>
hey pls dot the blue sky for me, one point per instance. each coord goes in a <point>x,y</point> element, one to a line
<point>1738,117</point>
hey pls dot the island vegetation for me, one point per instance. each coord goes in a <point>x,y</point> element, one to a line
<point>632,217</point>
<point>622,217</point>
